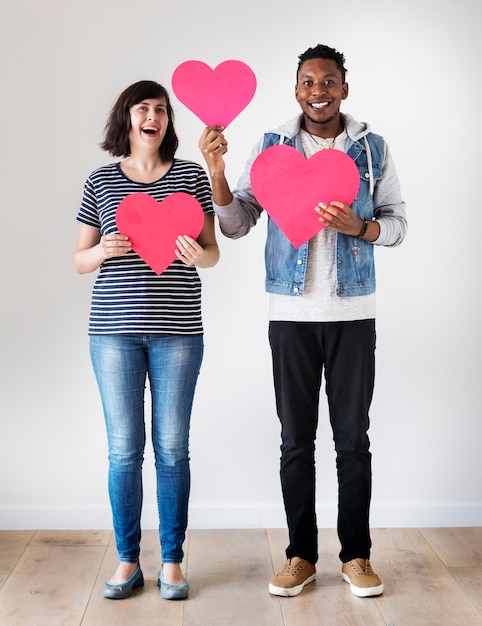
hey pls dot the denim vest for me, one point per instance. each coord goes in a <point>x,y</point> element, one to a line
<point>286,265</point>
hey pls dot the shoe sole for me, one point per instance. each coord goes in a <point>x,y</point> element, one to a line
<point>289,592</point>
<point>174,595</point>
<point>363,592</point>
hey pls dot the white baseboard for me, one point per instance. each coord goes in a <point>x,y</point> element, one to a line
<point>250,515</point>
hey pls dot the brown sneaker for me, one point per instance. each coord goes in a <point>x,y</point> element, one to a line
<point>295,575</point>
<point>362,579</point>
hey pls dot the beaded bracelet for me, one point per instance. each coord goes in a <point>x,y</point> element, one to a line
<point>363,230</point>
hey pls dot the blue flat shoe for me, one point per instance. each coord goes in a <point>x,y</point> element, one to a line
<point>124,590</point>
<point>173,592</point>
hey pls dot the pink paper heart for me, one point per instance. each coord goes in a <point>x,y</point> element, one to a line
<point>153,226</point>
<point>216,96</point>
<point>288,187</point>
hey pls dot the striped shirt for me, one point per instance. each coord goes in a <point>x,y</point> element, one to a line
<point>128,296</point>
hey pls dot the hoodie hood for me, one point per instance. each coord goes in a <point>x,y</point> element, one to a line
<point>354,129</point>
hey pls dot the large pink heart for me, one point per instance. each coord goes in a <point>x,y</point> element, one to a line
<point>153,227</point>
<point>216,96</point>
<point>288,187</point>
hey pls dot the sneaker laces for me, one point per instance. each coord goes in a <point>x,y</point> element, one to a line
<point>291,570</point>
<point>362,569</point>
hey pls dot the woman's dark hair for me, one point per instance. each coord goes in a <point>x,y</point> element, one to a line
<point>323,52</point>
<point>116,132</point>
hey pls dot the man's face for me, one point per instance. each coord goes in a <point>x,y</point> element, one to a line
<point>320,90</point>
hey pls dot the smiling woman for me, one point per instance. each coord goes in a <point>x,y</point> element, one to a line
<point>149,121</point>
<point>145,325</point>
<point>133,104</point>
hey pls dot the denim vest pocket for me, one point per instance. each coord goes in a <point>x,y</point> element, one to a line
<point>285,265</point>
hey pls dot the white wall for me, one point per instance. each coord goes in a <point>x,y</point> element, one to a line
<point>414,75</point>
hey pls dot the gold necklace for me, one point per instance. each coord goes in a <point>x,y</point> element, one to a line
<point>321,146</point>
<point>332,142</point>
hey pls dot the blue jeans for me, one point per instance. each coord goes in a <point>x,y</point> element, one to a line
<point>121,365</point>
<point>346,353</point>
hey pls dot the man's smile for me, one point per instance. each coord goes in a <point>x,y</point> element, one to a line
<point>318,105</point>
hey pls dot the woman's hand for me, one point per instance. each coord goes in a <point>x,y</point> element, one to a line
<point>92,249</point>
<point>114,245</point>
<point>189,251</point>
<point>203,252</point>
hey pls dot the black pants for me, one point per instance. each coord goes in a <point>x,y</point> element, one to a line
<point>346,352</point>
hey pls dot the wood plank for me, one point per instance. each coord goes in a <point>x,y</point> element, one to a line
<point>229,572</point>
<point>145,607</point>
<point>50,585</point>
<point>419,590</point>
<point>72,538</point>
<point>12,545</point>
<point>470,579</point>
<point>457,547</point>
<point>329,600</point>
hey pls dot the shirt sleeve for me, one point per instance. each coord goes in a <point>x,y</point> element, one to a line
<point>88,213</point>
<point>390,209</point>
<point>237,218</point>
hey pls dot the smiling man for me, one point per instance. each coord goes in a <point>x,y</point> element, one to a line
<point>322,315</point>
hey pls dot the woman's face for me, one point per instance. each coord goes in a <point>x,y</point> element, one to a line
<point>149,121</point>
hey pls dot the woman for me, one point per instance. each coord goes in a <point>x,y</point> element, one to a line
<point>143,325</point>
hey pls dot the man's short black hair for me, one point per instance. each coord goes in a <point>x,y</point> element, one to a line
<point>323,52</point>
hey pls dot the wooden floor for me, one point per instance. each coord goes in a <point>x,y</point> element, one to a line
<point>55,578</point>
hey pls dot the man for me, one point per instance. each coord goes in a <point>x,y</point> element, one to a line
<point>322,315</point>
